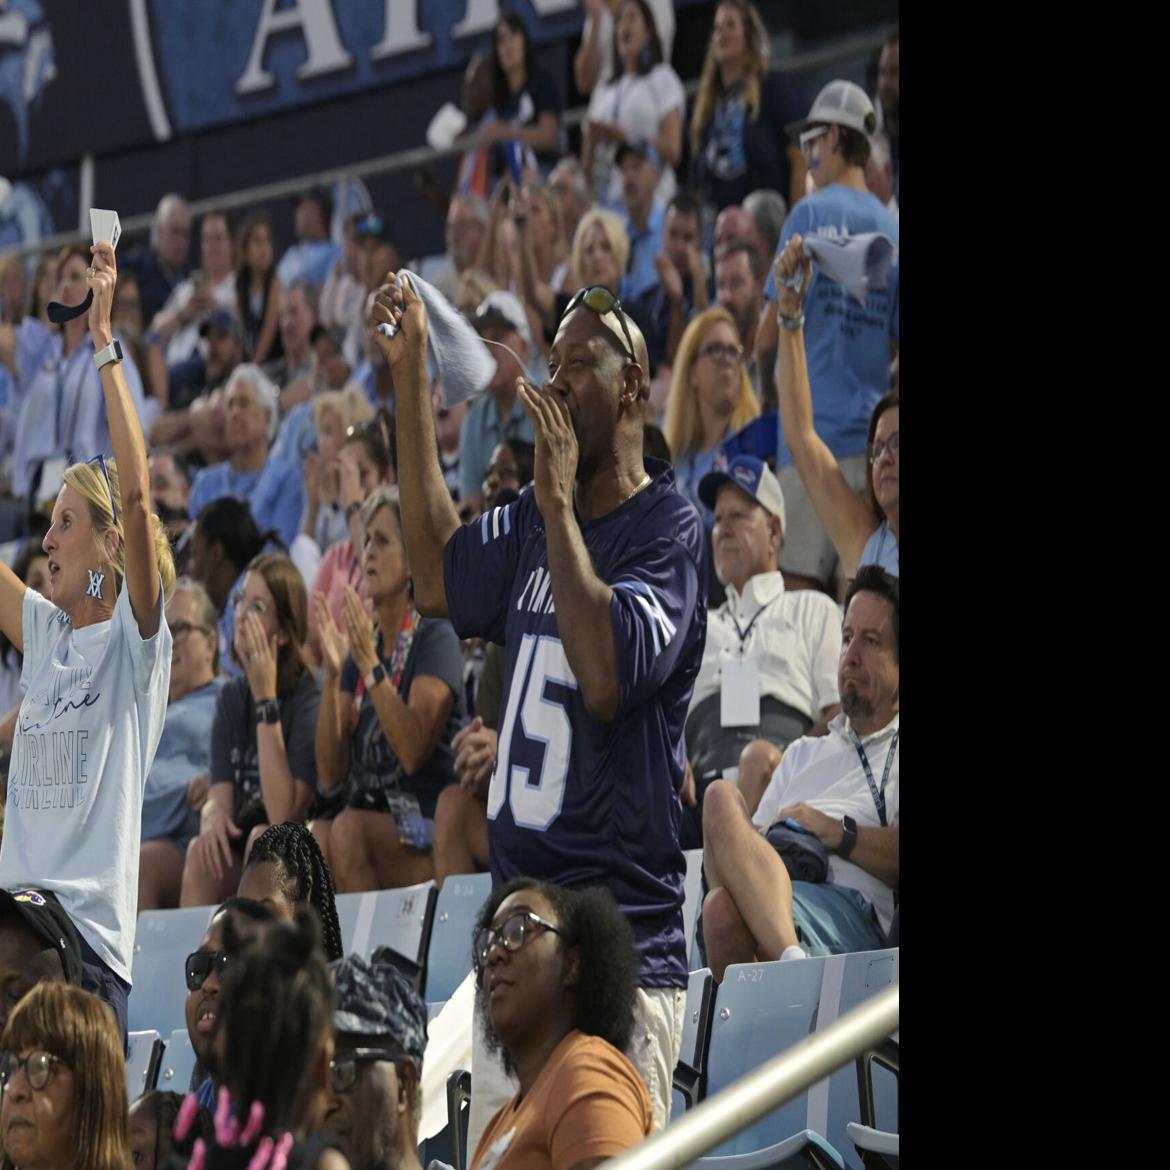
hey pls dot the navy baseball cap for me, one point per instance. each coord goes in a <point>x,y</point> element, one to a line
<point>374,998</point>
<point>40,911</point>
<point>752,476</point>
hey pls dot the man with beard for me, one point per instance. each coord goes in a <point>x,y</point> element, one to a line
<point>375,1077</point>
<point>739,288</point>
<point>842,788</point>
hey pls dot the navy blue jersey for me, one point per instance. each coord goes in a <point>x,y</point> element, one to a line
<point>572,800</point>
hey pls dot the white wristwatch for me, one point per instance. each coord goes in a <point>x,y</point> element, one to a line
<point>107,354</point>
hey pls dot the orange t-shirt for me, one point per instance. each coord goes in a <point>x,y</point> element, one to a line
<point>588,1102</point>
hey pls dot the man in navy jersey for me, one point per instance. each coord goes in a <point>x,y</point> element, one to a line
<point>594,580</point>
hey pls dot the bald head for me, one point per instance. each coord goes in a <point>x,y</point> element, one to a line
<point>734,225</point>
<point>611,328</point>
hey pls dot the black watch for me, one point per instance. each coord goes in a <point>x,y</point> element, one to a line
<point>849,840</point>
<point>268,711</point>
<point>352,510</point>
<point>374,676</point>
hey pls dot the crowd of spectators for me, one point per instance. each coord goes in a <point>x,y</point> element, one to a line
<point>401,645</point>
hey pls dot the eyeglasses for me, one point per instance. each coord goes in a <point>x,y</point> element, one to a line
<point>199,964</point>
<point>598,298</point>
<point>182,629</point>
<point>38,1067</point>
<point>343,1069</point>
<point>512,933</point>
<point>243,603</point>
<point>880,447</point>
<point>100,460</point>
<point>808,137</point>
<point>717,352</point>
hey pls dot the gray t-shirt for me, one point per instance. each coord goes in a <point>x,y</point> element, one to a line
<point>94,704</point>
<point>235,756</point>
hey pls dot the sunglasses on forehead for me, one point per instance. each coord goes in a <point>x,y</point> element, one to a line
<point>601,301</point>
<point>100,460</point>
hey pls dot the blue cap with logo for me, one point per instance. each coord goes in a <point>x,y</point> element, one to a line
<point>752,476</point>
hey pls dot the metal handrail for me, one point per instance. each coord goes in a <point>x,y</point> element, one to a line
<point>418,155</point>
<point>765,1088</point>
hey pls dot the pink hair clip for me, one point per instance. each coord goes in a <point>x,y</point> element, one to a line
<point>186,1115</point>
<point>255,1120</point>
<point>198,1155</point>
<point>280,1155</point>
<point>226,1126</point>
<point>260,1158</point>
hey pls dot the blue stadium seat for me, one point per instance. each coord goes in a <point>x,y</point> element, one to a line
<point>449,953</point>
<point>398,918</point>
<point>692,1058</point>
<point>762,1009</point>
<point>878,1148</point>
<point>834,1104</point>
<point>802,1151</point>
<point>692,901</point>
<point>164,940</point>
<point>178,1063</point>
<point>143,1056</point>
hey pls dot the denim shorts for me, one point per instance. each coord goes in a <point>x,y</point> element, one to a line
<point>832,920</point>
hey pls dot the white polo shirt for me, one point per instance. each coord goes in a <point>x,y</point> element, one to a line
<point>796,638</point>
<point>825,772</point>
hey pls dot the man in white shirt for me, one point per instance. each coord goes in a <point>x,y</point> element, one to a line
<point>842,791</point>
<point>769,671</point>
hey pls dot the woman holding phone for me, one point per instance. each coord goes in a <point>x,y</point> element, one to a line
<point>97,664</point>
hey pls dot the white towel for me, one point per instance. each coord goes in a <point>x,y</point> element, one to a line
<point>858,262</point>
<point>464,364</point>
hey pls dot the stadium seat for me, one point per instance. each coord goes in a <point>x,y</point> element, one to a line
<point>398,918</point>
<point>762,1009</point>
<point>163,941</point>
<point>449,953</point>
<point>178,1063</point>
<point>692,902</point>
<point>692,1060</point>
<point>143,1056</point>
<point>877,1149</point>
<point>803,1151</point>
<point>834,1104</point>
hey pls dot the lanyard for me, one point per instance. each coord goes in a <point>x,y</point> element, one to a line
<point>743,634</point>
<point>879,794</point>
<point>400,653</point>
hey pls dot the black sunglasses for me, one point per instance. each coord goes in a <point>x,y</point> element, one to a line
<point>598,298</point>
<point>199,964</point>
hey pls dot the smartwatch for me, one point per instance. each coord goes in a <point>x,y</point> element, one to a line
<point>375,675</point>
<point>352,510</point>
<point>267,711</point>
<point>850,838</point>
<point>108,353</point>
<point>792,324</point>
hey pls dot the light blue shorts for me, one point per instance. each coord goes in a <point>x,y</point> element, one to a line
<point>831,920</point>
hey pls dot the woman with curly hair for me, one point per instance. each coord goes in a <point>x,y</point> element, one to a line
<point>557,979</point>
<point>738,142</point>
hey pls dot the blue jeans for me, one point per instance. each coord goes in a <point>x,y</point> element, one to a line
<point>97,977</point>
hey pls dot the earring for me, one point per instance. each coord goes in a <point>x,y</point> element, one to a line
<point>94,588</point>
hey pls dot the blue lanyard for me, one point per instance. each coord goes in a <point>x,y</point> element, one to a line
<point>63,398</point>
<point>879,794</point>
<point>743,634</point>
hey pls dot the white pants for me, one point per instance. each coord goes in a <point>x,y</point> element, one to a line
<point>653,1050</point>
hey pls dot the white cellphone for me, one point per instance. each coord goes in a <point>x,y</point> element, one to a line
<point>105,226</point>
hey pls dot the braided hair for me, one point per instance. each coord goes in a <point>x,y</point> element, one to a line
<point>276,1014</point>
<point>304,877</point>
<point>164,1108</point>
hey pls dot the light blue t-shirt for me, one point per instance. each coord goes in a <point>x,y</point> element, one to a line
<point>183,752</point>
<point>275,494</point>
<point>94,704</point>
<point>297,434</point>
<point>848,344</point>
<point>309,261</point>
<point>689,470</point>
<point>482,430</point>
<point>881,549</point>
<point>641,277</point>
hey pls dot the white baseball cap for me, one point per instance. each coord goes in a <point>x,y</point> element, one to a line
<point>840,103</point>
